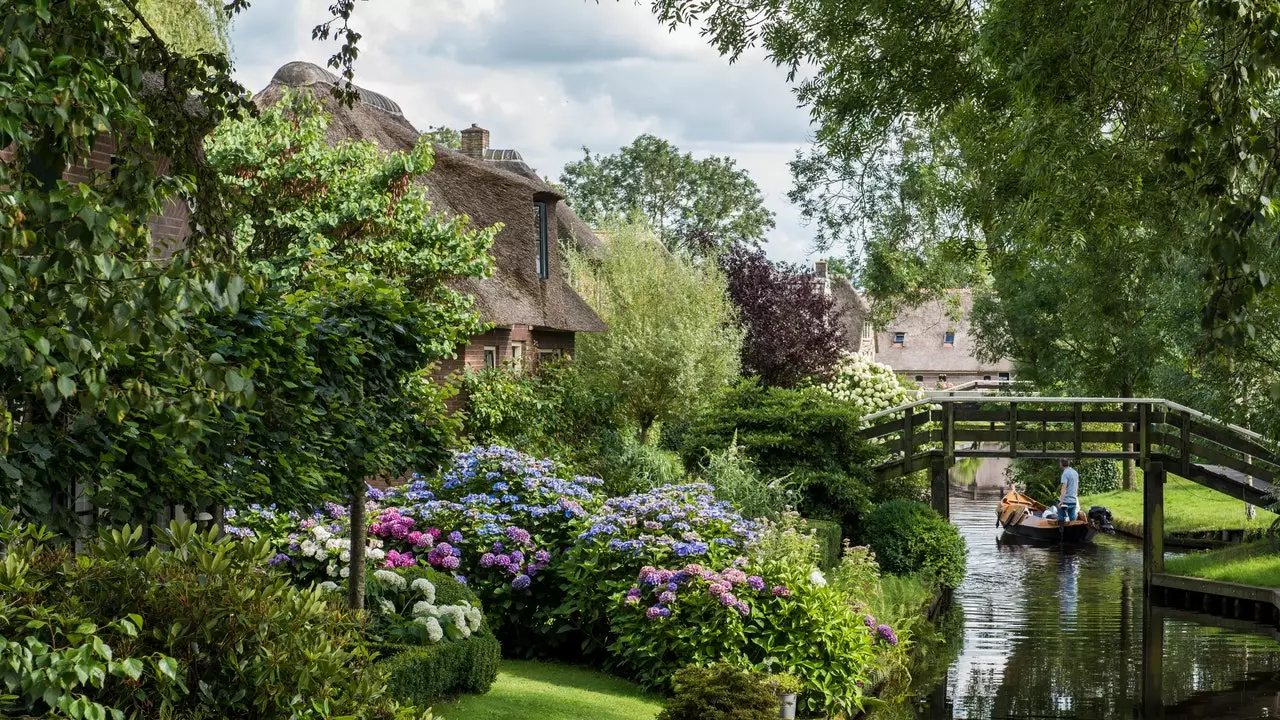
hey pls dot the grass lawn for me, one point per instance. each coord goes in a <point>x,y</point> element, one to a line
<point>1188,508</point>
<point>1252,564</point>
<point>549,691</point>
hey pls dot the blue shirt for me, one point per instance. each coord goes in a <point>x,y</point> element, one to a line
<point>1071,479</point>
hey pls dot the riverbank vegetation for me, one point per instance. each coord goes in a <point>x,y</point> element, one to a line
<point>1255,563</point>
<point>1189,508</point>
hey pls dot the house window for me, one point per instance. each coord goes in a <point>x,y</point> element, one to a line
<point>548,355</point>
<point>490,356</point>
<point>986,377</point>
<point>942,379</point>
<point>949,339</point>
<point>920,378</point>
<point>517,355</point>
<point>1004,376</point>
<point>540,226</point>
<point>899,339</point>
<point>868,331</point>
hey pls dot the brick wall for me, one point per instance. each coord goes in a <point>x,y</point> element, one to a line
<point>167,229</point>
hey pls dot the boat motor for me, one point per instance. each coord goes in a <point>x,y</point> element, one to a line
<point>1100,517</point>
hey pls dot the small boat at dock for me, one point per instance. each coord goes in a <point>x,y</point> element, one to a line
<point>1022,516</point>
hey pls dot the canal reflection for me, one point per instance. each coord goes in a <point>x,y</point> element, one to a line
<point>1059,633</point>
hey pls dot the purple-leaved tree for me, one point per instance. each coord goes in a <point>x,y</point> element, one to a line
<point>793,331</point>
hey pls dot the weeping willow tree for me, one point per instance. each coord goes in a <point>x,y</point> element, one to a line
<point>186,26</point>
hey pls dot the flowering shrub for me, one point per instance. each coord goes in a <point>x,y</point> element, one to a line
<point>870,385</point>
<point>495,519</point>
<point>404,610</point>
<point>670,525</point>
<point>785,616</point>
<point>498,518</point>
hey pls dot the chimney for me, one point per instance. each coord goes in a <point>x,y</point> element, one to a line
<point>820,269</point>
<point>475,140</point>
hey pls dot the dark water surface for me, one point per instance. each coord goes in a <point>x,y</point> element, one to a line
<point>1053,633</point>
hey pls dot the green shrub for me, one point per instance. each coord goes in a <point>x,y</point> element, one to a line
<point>806,435</point>
<point>721,692</point>
<point>634,467</point>
<point>1040,478</point>
<point>829,536</point>
<point>736,480</point>
<point>147,633</point>
<point>424,674</point>
<point>910,537</point>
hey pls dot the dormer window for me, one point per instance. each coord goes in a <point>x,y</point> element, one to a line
<point>540,227</point>
<point>949,339</point>
<point>899,339</point>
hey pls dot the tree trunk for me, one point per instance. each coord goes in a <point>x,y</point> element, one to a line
<point>646,424</point>
<point>1127,477</point>
<point>355,578</point>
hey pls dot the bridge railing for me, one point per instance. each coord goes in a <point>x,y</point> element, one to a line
<point>968,423</point>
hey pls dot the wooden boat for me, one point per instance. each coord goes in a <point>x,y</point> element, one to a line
<point>1023,517</point>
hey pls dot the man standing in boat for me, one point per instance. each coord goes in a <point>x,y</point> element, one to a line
<point>1068,490</point>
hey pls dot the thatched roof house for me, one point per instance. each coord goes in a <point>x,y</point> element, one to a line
<point>853,310</point>
<point>528,299</point>
<point>934,345</point>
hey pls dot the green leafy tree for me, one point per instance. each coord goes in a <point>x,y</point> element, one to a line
<point>185,26</point>
<point>696,206</point>
<point>348,234</point>
<point>98,376</point>
<point>673,341</point>
<point>445,136</point>
<point>1011,120</point>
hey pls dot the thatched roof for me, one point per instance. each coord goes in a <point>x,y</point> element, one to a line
<point>483,190</point>
<point>925,327</point>
<point>569,225</point>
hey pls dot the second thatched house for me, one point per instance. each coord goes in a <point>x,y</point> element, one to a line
<point>527,301</point>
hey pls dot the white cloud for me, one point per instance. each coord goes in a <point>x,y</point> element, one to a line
<point>551,76</point>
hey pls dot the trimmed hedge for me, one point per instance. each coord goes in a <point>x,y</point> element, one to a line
<point>910,537</point>
<point>830,541</point>
<point>423,674</point>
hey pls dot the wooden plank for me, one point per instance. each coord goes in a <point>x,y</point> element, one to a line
<point>1218,457</point>
<point>1228,486</point>
<point>887,427</point>
<point>1232,590</point>
<point>1051,454</point>
<point>1046,415</point>
<point>987,416</point>
<point>1222,436</point>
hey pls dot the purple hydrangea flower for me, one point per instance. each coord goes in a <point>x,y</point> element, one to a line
<point>521,582</point>
<point>781,591</point>
<point>886,632</point>
<point>455,537</point>
<point>869,621</point>
<point>667,598</point>
<point>755,582</point>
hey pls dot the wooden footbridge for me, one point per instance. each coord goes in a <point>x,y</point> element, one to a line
<point>1159,435</point>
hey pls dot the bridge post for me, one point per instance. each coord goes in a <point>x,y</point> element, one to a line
<point>1152,563</point>
<point>940,487</point>
<point>1152,522</point>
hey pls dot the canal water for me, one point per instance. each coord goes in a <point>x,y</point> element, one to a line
<point>1054,633</point>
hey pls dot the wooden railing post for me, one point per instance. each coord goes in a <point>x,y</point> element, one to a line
<point>1078,429</point>
<point>949,433</point>
<point>908,435</point>
<point>1144,434</point>
<point>1013,430</point>
<point>1185,441</point>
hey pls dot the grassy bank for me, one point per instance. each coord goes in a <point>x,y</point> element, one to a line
<point>1188,508</point>
<point>1254,563</point>
<point>549,691</point>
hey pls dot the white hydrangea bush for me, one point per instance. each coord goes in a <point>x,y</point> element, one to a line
<point>870,385</point>
<point>409,610</point>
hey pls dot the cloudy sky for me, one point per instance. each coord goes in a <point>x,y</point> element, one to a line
<point>547,77</point>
